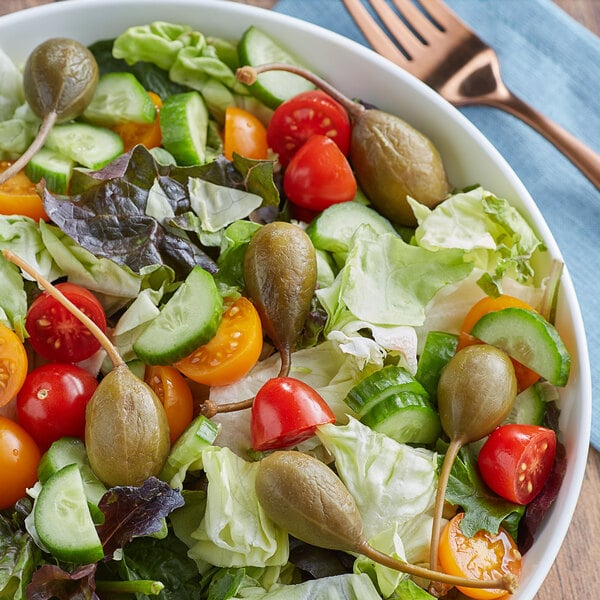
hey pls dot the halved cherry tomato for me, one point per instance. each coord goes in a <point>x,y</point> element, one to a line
<point>307,114</point>
<point>244,134</point>
<point>13,364</point>
<point>52,401</point>
<point>285,412</point>
<point>18,196</point>
<point>319,175</point>
<point>147,134</point>
<point>175,395</point>
<point>525,376</point>
<point>19,459</point>
<point>232,352</point>
<point>516,459</point>
<point>55,333</point>
<point>483,556</point>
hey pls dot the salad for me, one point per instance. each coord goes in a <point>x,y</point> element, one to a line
<point>303,364</point>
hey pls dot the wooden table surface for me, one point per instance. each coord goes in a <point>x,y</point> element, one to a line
<point>576,574</point>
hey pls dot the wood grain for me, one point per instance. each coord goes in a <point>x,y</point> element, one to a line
<point>575,574</point>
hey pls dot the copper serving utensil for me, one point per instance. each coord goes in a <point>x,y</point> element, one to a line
<point>433,44</point>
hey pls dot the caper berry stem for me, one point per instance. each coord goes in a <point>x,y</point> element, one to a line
<point>449,458</point>
<point>209,408</point>
<point>39,140</point>
<point>248,75</point>
<point>506,582</point>
<point>148,587</point>
<point>108,346</point>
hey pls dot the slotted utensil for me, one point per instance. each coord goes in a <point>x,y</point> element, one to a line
<point>433,44</point>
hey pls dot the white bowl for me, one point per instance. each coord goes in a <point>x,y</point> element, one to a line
<point>358,72</point>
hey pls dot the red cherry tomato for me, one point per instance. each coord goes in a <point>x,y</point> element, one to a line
<point>319,175</point>
<point>56,334</point>
<point>19,459</point>
<point>285,412</point>
<point>515,461</point>
<point>307,114</point>
<point>52,401</point>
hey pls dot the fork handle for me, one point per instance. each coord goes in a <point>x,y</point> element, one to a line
<point>582,156</point>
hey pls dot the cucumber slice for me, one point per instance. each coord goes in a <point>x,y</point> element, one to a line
<point>90,146</point>
<point>407,418</point>
<point>389,381</point>
<point>393,402</point>
<point>184,127</point>
<point>334,228</point>
<point>63,521</point>
<point>188,320</point>
<point>119,98</point>
<point>186,453</point>
<point>71,451</point>
<point>257,48</point>
<point>528,338</point>
<point>53,167</point>
<point>529,407</point>
<point>439,348</point>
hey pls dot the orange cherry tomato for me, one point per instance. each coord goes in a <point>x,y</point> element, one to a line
<point>244,134</point>
<point>18,196</point>
<point>13,364</point>
<point>484,556</point>
<point>19,459</point>
<point>175,395</point>
<point>232,352</point>
<point>525,376</point>
<point>147,134</point>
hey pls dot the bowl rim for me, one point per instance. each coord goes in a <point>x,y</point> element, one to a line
<point>577,449</point>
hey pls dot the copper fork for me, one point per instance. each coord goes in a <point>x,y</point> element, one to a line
<point>433,44</point>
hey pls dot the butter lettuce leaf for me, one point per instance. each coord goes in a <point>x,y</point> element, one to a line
<point>494,234</point>
<point>235,531</point>
<point>391,483</point>
<point>340,587</point>
<point>386,281</point>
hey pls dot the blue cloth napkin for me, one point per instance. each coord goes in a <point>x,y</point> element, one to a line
<point>552,62</point>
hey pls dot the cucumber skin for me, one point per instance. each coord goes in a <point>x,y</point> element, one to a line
<point>184,139</point>
<point>407,418</point>
<point>439,348</point>
<point>40,167</point>
<point>393,402</point>
<point>140,110</point>
<point>67,451</point>
<point>274,87</point>
<point>334,228</point>
<point>379,385</point>
<point>169,337</point>
<point>529,407</point>
<point>91,146</point>
<point>65,538</point>
<point>528,338</point>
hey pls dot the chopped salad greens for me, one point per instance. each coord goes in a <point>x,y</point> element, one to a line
<point>390,309</point>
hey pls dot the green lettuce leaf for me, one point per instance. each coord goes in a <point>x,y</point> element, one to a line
<point>405,278</point>
<point>391,483</point>
<point>340,587</point>
<point>235,531</point>
<point>483,509</point>
<point>192,60</point>
<point>494,234</point>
